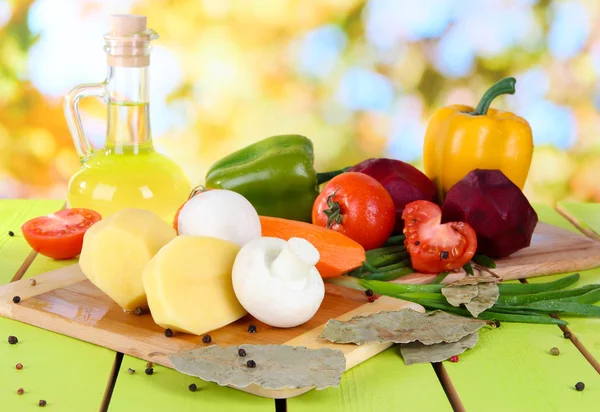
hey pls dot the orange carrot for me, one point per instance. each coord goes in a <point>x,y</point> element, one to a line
<point>339,253</point>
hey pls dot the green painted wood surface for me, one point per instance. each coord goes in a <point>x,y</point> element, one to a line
<point>511,368</point>
<point>14,250</point>
<point>588,214</point>
<point>69,374</point>
<point>587,330</point>
<point>383,383</point>
<point>167,390</point>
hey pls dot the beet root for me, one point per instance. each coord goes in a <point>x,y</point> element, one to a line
<point>404,182</point>
<point>496,208</point>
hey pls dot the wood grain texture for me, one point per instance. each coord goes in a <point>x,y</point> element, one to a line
<point>513,367</point>
<point>64,301</point>
<point>46,356</point>
<point>383,383</point>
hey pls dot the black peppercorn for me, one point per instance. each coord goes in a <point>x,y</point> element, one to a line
<point>16,299</point>
<point>139,311</point>
<point>192,387</point>
<point>417,243</point>
<point>251,364</point>
<point>20,391</point>
<point>206,338</point>
<point>12,340</point>
<point>241,352</point>
<point>11,233</point>
<point>252,329</point>
<point>130,371</point>
<point>32,282</point>
<point>369,292</point>
<point>497,323</point>
<point>567,335</point>
<point>42,402</point>
<point>444,255</point>
<point>149,371</point>
<point>168,333</point>
<point>580,386</point>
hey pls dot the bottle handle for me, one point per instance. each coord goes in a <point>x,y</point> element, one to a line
<point>71,110</point>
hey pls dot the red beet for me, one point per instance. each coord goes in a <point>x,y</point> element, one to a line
<point>496,208</point>
<point>404,183</point>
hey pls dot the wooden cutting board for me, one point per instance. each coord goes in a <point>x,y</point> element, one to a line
<point>64,301</point>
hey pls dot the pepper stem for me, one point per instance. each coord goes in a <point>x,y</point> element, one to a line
<point>333,211</point>
<point>504,86</point>
<point>327,176</point>
<point>196,190</point>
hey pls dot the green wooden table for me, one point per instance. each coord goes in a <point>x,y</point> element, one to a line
<point>510,369</point>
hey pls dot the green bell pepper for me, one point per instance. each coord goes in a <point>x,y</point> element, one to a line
<point>276,175</point>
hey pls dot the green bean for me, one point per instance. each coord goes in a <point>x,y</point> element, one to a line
<point>551,295</point>
<point>389,259</point>
<point>557,306</point>
<point>346,281</point>
<point>484,261</point>
<point>392,289</point>
<point>529,288</point>
<point>589,297</point>
<point>375,253</point>
<point>395,240</point>
<point>469,269</point>
<point>389,275</point>
<point>439,278</point>
<point>488,315</point>
<point>402,264</point>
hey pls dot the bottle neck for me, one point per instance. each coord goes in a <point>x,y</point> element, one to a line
<point>128,123</point>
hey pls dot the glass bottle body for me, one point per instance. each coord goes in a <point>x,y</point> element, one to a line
<point>127,172</point>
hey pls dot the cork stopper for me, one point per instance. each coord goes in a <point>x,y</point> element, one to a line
<point>128,41</point>
<point>127,24</point>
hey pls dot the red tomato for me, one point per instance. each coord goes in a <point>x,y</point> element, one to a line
<point>59,235</point>
<point>357,206</point>
<point>196,191</point>
<point>434,247</point>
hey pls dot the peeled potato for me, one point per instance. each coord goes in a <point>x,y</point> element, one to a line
<point>116,250</point>
<point>188,285</point>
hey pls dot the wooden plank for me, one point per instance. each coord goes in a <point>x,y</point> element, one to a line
<point>382,383</point>
<point>585,216</point>
<point>167,390</point>
<point>64,301</point>
<point>515,371</point>
<point>586,330</point>
<point>67,373</point>
<point>14,249</point>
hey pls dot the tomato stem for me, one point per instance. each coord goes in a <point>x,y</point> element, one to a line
<point>333,211</point>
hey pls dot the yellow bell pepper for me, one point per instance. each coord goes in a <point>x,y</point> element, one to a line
<point>459,139</point>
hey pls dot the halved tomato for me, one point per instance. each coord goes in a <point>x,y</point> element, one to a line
<point>59,235</point>
<point>434,247</point>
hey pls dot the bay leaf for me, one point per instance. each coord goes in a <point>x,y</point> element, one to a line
<point>416,352</point>
<point>477,293</point>
<point>401,326</point>
<point>277,366</point>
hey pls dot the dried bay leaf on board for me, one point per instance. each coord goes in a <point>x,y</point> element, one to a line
<point>477,293</point>
<point>277,366</point>
<point>416,352</point>
<point>401,326</point>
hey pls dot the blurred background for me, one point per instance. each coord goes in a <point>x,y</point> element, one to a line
<point>361,78</point>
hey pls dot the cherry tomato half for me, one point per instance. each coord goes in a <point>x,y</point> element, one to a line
<point>59,235</point>
<point>357,206</point>
<point>434,247</point>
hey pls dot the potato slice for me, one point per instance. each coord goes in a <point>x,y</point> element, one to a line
<point>116,250</point>
<point>188,284</point>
